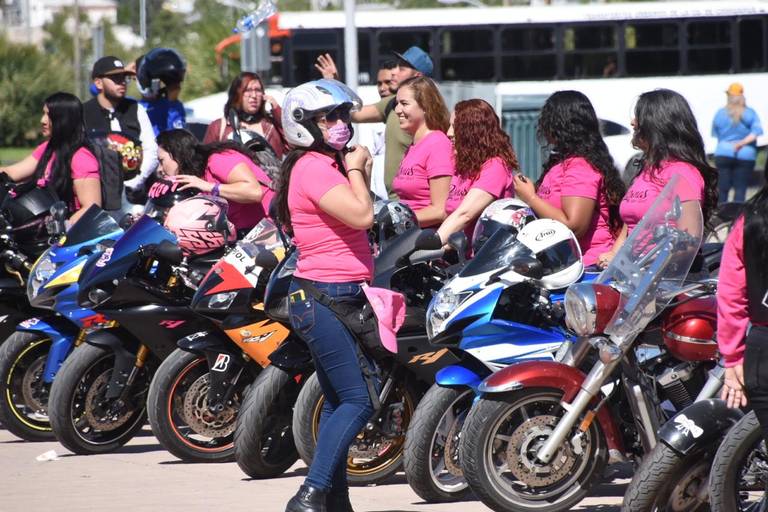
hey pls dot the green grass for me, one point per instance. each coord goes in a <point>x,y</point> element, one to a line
<point>13,155</point>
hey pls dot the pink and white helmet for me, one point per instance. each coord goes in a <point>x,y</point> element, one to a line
<point>200,224</point>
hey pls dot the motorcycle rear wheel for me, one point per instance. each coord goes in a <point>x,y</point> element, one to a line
<point>23,395</point>
<point>387,454</point>
<point>499,441</point>
<point>264,446</point>
<point>742,453</point>
<point>84,421</point>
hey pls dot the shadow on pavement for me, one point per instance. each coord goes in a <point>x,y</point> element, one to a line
<point>288,474</point>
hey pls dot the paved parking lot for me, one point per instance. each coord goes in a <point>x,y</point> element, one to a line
<point>144,477</point>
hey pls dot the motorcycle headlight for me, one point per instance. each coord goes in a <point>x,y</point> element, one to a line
<point>40,273</point>
<point>589,307</point>
<point>441,307</point>
<point>222,300</point>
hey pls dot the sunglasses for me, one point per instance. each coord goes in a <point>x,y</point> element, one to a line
<point>119,79</point>
<point>340,113</point>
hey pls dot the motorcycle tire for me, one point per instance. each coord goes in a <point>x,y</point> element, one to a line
<point>740,441</point>
<point>23,397</point>
<point>386,462</point>
<point>86,372</point>
<point>436,424</point>
<point>667,480</point>
<point>177,407</point>
<point>264,446</point>
<point>482,447</point>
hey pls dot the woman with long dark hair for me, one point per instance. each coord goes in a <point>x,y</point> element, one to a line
<point>246,106</point>
<point>665,131</point>
<point>485,162</point>
<point>64,162</point>
<point>220,169</point>
<point>580,186</point>
<point>425,173</point>
<point>324,200</point>
<point>742,299</point>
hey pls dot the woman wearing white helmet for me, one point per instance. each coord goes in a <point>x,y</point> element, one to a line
<point>324,201</point>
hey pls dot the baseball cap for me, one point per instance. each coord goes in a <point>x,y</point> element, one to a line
<point>417,59</point>
<point>109,66</point>
<point>735,89</point>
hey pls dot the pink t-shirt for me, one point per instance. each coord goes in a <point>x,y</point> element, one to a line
<point>644,190</point>
<point>329,250</point>
<point>732,301</point>
<point>429,158</point>
<point>242,215</point>
<point>575,177</point>
<point>84,165</point>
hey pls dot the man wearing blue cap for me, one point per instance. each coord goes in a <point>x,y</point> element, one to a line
<point>413,62</point>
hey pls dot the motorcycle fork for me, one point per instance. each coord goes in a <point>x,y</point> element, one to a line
<point>643,402</point>
<point>141,358</point>
<point>224,370</point>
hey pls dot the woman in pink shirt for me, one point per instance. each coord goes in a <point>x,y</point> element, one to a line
<point>665,131</point>
<point>220,169</point>
<point>64,162</point>
<point>424,177</point>
<point>324,200</point>
<point>580,186</point>
<point>485,161</point>
<point>742,299</point>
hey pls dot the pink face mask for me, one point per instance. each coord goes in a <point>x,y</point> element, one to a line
<point>338,136</point>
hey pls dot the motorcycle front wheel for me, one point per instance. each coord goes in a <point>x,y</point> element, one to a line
<point>23,394</point>
<point>739,473</point>
<point>84,420</point>
<point>431,456</point>
<point>377,451</point>
<point>264,446</point>
<point>499,442</point>
<point>178,411</point>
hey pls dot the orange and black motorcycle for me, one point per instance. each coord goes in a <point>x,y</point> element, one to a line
<point>196,394</point>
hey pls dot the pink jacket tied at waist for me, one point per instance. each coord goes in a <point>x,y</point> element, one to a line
<point>732,302</point>
<point>389,308</point>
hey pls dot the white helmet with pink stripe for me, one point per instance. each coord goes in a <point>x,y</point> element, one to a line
<point>200,224</point>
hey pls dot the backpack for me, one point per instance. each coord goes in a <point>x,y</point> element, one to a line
<point>389,108</point>
<point>110,174</point>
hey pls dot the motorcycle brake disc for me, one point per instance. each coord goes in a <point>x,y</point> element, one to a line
<point>95,401</point>
<point>450,451</point>
<point>525,442</point>
<point>199,418</point>
<point>31,387</point>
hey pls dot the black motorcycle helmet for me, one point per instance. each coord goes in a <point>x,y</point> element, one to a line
<point>164,65</point>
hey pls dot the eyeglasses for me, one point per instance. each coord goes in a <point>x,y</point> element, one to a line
<point>119,79</point>
<point>253,92</point>
<point>339,113</point>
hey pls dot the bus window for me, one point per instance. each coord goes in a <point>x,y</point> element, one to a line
<point>528,67</point>
<point>589,37</point>
<point>467,68</point>
<point>466,54</point>
<point>652,49</point>
<point>709,47</point>
<point>751,44</point>
<point>527,39</point>
<point>466,41</point>
<point>306,45</point>
<point>528,53</point>
<point>366,73</point>
<point>585,51</point>
<point>400,40</point>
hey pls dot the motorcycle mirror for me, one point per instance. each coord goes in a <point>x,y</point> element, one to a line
<point>169,252</point>
<point>428,240</point>
<point>458,242</point>
<point>126,221</point>
<point>57,223</point>
<point>676,211</point>
<point>266,260</point>
<point>528,266</point>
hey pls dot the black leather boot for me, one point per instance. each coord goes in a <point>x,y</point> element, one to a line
<point>338,503</point>
<point>308,499</point>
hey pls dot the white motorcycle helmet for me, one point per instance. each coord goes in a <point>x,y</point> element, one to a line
<point>556,247</point>
<point>304,103</point>
<point>509,212</point>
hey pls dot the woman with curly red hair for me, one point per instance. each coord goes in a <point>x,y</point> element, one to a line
<point>485,161</point>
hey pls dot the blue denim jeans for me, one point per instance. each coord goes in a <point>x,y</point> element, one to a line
<point>733,173</point>
<point>347,407</point>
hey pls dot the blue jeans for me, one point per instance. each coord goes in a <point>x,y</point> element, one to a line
<point>347,407</point>
<point>733,173</point>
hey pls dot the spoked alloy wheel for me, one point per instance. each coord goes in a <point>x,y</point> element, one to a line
<point>84,420</point>
<point>23,394</point>
<point>499,443</point>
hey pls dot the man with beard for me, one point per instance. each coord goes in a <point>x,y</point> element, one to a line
<point>111,111</point>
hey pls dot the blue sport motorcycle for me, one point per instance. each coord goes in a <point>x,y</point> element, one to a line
<point>30,357</point>
<point>505,306</point>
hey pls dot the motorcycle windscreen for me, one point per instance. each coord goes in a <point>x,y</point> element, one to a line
<point>93,224</point>
<point>497,253</point>
<point>654,260</point>
<point>118,260</point>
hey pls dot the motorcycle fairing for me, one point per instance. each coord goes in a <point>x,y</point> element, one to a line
<point>62,335</point>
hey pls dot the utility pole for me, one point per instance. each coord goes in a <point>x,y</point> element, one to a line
<point>78,67</point>
<point>350,45</point>
<point>143,20</point>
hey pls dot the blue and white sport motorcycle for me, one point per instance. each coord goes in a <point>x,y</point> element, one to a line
<point>504,307</point>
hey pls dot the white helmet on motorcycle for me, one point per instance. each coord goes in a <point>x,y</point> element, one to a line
<point>510,212</point>
<point>304,103</point>
<point>556,247</point>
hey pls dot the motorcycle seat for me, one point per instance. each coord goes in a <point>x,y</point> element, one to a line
<point>208,259</point>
